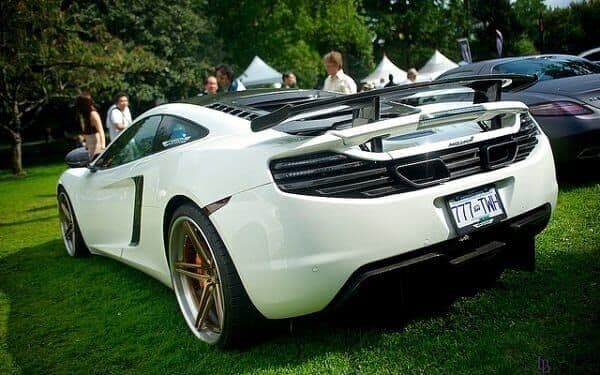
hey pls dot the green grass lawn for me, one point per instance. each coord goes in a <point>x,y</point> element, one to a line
<point>95,315</point>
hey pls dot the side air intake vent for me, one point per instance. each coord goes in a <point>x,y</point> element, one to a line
<point>336,175</point>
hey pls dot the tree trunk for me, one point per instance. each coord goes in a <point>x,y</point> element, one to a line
<point>16,155</point>
<point>16,160</point>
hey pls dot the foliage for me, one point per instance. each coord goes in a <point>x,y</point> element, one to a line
<point>176,34</point>
<point>54,50</point>
<point>489,16</point>
<point>523,46</point>
<point>47,56</point>
<point>293,35</point>
<point>573,29</point>
<point>408,32</point>
<point>528,13</point>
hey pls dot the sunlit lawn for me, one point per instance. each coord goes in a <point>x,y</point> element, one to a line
<point>95,315</point>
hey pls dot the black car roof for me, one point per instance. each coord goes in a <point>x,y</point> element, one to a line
<point>258,98</point>
<point>480,66</point>
<point>250,104</point>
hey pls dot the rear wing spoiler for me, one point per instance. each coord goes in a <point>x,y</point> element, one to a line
<point>419,121</point>
<point>486,88</point>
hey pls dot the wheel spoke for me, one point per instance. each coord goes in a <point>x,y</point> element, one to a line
<point>193,275</point>
<point>219,305</point>
<point>198,246</point>
<point>69,230</point>
<point>192,265</point>
<point>201,304</point>
<point>206,302</point>
<point>65,211</point>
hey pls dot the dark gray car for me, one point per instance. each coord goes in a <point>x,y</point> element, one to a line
<point>565,101</point>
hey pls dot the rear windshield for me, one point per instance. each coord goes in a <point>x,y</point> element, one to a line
<point>546,68</point>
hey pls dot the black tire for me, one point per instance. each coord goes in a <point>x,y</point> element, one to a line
<point>522,253</point>
<point>240,319</point>
<point>71,235</point>
<point>485,276</point>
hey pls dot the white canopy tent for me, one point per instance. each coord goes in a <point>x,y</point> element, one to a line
<point>383,70</point>
<point>435,66</point>
<point>259,73</point>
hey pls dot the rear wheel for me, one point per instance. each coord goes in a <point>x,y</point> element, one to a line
<point>522,254</point>
<point>485,276</point>
<point>69,228</point>
<point>210,294</point>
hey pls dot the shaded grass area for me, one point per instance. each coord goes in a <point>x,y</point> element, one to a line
<point>38,153</point>
<point>95,315</point>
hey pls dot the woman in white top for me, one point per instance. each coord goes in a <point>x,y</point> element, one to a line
<point>91,125</point>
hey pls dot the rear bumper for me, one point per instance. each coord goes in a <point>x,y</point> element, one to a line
<point>294,253</point>
<point>497,244</point>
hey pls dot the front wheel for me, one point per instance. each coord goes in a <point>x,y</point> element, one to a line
<point>69,227</point>
<point>209,291</point>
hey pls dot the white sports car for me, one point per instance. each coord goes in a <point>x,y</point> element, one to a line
<point>284,203</point>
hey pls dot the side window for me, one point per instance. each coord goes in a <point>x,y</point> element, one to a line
<point>175,131</point>
<point>135,143</point>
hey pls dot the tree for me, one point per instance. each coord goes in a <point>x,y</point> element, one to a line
<point>409,31</point>
<point>528,13</point>
<point>572,29</point>
<point>294,35</point>
<point>53,50</point>
<point>177,34</point>
<point>46,55</point>
<point>489,16</point>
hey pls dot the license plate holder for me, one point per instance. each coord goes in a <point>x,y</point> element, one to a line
<point>474,209</point>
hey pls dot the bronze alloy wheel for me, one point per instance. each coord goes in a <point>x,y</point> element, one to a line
<point>69,228</point>
<point>67,222</point>
<point>196,279</point>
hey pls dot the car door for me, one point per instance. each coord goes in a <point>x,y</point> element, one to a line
<point>111,199</point>
<point>172,132</point>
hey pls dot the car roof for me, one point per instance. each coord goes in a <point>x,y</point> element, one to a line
<point>250,104</point>
<point>257,98</point>
<point>480,66</point>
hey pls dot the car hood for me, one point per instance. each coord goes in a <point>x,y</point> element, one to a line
<point>585,88</point>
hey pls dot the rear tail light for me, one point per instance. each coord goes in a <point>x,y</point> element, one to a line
<point>563,108</point>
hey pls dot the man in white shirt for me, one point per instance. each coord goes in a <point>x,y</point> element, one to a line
<point>118,117</point>
<point>336,80</point>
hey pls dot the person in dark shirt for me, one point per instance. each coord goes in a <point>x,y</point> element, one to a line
<point>391,81</point>
<point>289,80</point>
<point>226,79</point>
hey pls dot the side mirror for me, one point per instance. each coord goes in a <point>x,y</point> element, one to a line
<point>77,158</point>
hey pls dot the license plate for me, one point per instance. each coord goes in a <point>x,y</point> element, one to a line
<point>474,209</point>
